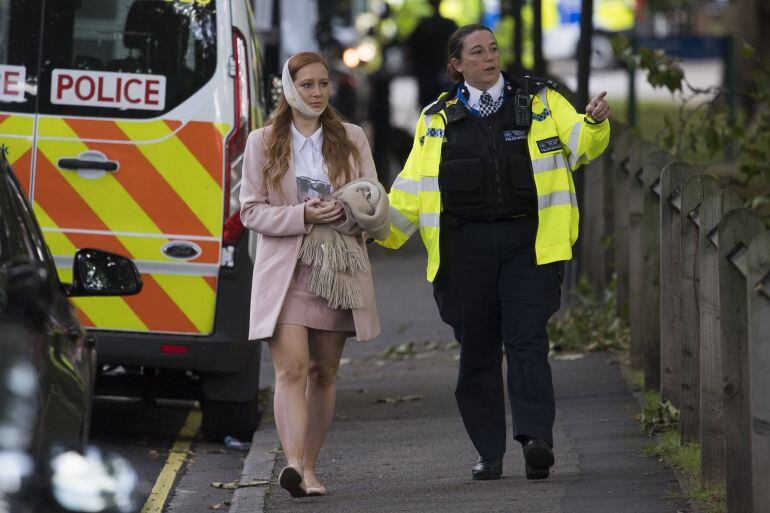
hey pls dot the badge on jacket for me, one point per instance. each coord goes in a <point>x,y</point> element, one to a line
<point>550,144</point>
<point>514,135</point>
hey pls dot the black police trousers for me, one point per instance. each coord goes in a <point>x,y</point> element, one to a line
<point>493,295</point>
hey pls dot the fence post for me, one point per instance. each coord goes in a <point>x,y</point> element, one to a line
<point>608,216</point>
<point>653,166</point>
<point>620,186</point>
<point>593,222</point>
<point>758,259</point>
<point>715,204</point>
<point>736,230</point>
<point>639,151</point>
<point>671,181</point>
<point>692,197</point>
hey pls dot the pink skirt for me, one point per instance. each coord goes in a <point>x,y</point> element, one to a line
<point>302,308</point>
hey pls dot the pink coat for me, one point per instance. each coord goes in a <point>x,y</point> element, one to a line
<point>280,221</point>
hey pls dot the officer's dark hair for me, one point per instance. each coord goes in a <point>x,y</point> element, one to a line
<point>455,47</point>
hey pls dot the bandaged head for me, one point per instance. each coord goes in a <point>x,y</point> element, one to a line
<point>292,97</point>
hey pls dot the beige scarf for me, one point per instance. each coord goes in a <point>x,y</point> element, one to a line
<point>334,253</point>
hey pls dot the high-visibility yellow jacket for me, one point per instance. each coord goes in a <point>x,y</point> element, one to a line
<point>415,199</point>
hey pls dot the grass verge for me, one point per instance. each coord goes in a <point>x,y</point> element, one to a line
<point>660,420</point>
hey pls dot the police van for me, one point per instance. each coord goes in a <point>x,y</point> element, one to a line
<point>126,122</point>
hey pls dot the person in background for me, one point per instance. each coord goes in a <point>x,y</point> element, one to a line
<point>292,169</point>
<point>427,49</point>
<point>488,183</point>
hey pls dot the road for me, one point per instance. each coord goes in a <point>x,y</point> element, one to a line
<point>149,434</point>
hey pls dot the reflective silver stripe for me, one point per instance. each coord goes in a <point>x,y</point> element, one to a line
<point>429,183</point>
<point>400,221</point>
<point>407,186</point>
<point>426,183</point>
<point>557,198</point>
<point>430,220</point>
<point>150,267</point>
<point>543,95</point>
<point>574,140</point>
<point>548,163</point>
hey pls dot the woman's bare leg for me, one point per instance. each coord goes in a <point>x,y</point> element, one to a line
<point>289,351</point>
<point>325,353</point>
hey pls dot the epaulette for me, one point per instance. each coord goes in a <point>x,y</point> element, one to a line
<point>535,84</point>
<point>448,103</point>
<point>437,106</point>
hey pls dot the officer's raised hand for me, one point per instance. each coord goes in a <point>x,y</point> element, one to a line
<point>598,109</point>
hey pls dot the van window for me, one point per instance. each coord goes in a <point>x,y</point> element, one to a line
<point>127,58</point>
<point>19,34</point>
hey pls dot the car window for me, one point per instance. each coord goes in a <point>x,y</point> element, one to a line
<point>18,245</point>
<point>25,236</point>
<point>19,35</point>
<point>133,58</point>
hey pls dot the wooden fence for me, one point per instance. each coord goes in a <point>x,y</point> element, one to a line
<point>692,270</point>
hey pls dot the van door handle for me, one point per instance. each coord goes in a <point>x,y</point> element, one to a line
<point>90,164</point>
<point>75,164</point>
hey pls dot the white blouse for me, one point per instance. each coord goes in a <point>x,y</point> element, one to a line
<point>309,166</point>
<point>475,94</point>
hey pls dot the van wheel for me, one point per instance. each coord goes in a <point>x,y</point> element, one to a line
<point>223,418</point>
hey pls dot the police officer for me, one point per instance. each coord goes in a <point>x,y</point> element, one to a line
<point>488,184</point>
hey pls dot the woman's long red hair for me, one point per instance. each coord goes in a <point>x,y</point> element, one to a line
<point>336,148</point>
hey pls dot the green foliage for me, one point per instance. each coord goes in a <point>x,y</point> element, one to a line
<point>706,131</point>
<point>590,324</point>
<point>658,416</point>
<point>686,459</point>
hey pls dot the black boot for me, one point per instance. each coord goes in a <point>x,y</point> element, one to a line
<point>538,457</point>
<point>488,468</point>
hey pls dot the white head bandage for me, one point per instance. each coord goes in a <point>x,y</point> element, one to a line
<point>290,92</point>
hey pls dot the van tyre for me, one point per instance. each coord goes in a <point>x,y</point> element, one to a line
<point>233,418</point>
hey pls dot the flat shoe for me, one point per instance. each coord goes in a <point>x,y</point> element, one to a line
<point>291,480</point>
<point>316,491</point>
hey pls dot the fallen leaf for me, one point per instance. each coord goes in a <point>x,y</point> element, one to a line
<point>569,357</point>
<point>254,482</point>
<point>234,485</point>
<point>221,505</point>
<point>398,399</point>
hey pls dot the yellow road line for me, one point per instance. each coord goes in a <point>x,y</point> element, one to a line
<point>176,458</point>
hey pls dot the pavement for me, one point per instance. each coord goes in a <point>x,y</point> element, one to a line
<point>398,444</point>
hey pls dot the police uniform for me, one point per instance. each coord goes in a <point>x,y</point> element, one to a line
<point>493,198</point>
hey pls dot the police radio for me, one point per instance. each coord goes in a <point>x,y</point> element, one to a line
<point>523,105</point>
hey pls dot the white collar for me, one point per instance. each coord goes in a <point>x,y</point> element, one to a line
<point>299,139</point>
<point>495,92</point>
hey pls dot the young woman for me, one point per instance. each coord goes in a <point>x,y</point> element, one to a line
<point>289,170</point>
<point>489,185</point>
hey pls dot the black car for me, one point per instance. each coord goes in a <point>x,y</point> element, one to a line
<point>48,368</point>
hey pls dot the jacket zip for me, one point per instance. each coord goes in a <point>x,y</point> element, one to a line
<point>495,164</point>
